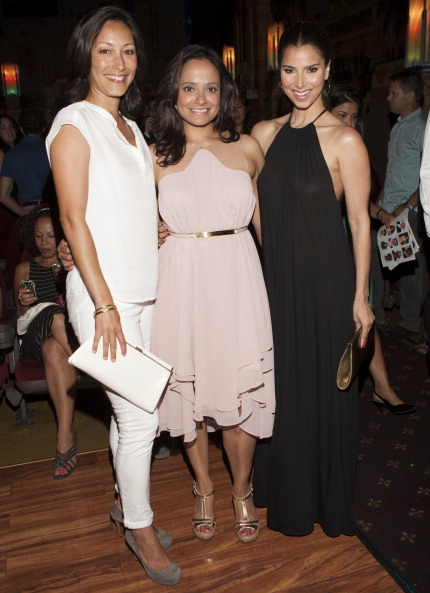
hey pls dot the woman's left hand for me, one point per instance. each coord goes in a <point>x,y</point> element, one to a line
<point>163,233</point>
<point>363,318</point>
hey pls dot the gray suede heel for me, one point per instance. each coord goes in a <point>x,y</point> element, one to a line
<point>171,575</point>
<point>117,518</point>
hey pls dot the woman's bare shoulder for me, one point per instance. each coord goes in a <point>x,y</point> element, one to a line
<point>266,130</point>
<point>338,132</point>
<point>22,270</point>
<point>270,125</point>
<point>249,143</point>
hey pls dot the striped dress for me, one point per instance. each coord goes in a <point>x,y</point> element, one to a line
<point>40,328</point>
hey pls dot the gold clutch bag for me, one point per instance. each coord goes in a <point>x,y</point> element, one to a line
<point>352,358</point>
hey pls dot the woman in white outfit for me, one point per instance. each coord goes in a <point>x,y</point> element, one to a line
<point>105,186</point>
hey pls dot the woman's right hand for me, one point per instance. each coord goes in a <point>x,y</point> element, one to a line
<point>109,330</point>
<point>65,256</point>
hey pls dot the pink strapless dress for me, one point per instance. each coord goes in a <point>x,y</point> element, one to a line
<point>212,320</point>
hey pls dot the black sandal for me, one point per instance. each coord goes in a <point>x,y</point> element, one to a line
<point>64,461</point>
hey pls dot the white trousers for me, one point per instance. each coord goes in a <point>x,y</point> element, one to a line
<point>132,430</point>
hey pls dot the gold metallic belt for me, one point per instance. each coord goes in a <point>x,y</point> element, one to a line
<point>205,234</point>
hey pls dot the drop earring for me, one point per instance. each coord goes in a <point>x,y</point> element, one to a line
<point>326,91</point>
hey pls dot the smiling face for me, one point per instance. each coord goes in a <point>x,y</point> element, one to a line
<point>44,237</point>
<point>303,73</point>
<point>7,131</point>
<point>113,62</point>
<point>347,112</point>
<point>199,93</point>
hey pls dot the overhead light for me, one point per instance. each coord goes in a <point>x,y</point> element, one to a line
<point>228,57</point>
<point>10,78</point>
<point>274,33</point>
<point>417,42</point>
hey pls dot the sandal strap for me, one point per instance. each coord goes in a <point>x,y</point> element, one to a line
<point>205,520</point>
<point>202,496</point>
<point>239,499</point>
<point>65,461</point>
<point>243,500</point>
<point>253,524</point>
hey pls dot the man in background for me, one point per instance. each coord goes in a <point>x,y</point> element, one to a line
<point>401,192</point>
<point>27,166</point>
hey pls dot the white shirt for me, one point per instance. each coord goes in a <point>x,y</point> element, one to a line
<point>425,178</point>
<point>122,209</point>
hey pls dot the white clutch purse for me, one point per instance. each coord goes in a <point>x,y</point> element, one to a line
<point>139,376</point>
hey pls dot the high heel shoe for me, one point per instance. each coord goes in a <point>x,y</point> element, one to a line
<point>246,523</point>
<point>117,518</point>
<point>171,575</point>
<point>63,462</point>
<point>205,520</point>
<point>393,408</point>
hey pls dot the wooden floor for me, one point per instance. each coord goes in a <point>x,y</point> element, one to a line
<point>56,537</point>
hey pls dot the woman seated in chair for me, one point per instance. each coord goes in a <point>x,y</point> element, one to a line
<point>42,322</point>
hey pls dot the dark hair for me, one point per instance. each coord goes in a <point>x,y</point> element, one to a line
<point>43,210</point>
<point>170,141</point>
<point>410,80</point>
<point>250,115</point>
<point>79,58</point>
<point>307,33</point>
<point>32,121</point>
<point>347,93</point>
<point>4,146</point>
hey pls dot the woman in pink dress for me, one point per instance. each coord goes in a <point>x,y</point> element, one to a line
<point>211,318</point>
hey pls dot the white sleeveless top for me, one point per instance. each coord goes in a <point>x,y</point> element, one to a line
<point>122,209</point>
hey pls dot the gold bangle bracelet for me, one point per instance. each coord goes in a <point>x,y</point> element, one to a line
<point>104,309</point>
<point>104,306</point>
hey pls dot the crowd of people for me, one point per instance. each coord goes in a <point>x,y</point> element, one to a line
<point>172,265</point>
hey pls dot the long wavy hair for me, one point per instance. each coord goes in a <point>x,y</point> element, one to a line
<point>78,58</point>
<point>170,140</point>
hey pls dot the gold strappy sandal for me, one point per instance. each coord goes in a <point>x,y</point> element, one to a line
<point>205,520</point>
<point>246,523</point>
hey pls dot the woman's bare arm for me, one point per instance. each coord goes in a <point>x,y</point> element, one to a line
<point>70,155</point>
<point>354,172</point>
<point>255,158</point>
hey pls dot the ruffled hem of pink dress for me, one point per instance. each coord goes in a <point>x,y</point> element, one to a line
<point>252,407</point>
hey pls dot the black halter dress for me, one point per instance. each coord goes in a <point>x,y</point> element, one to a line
<point>305,474</point>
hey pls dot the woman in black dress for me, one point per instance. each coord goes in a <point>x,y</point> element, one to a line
<point>318,297</point>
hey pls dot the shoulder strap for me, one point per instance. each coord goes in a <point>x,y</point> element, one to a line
<point>318,116</point>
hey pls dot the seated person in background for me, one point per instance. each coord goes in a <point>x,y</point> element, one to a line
<point>46,336</point>
<point>27,166</point>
